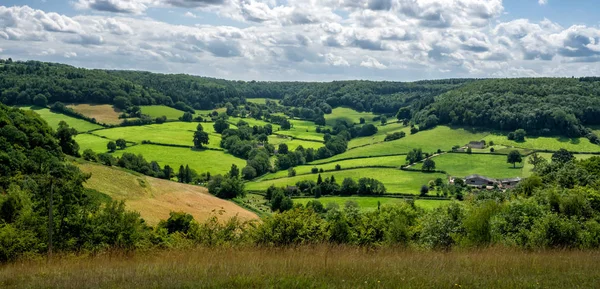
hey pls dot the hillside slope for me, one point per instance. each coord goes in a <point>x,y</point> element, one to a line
<point>155,198</point>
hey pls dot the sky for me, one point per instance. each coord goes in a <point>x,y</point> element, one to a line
<point>310,40</point>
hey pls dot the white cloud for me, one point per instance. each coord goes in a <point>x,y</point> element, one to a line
<point>542,2</point>
<point>371,62</point>
<point>305,39</point>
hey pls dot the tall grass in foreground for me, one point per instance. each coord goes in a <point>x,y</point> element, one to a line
<point>313,267</point>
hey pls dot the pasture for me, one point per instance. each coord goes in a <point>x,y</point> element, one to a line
<point>178,133</point>
<point>93,142</point>
<point>293,143</point>
<point>252,122</point>
<point>347,114</point>
<point>581,144</point>
<point>391,162</point>
<point>382,132</point>
<point>155,198</point>
<point>161,110</point>
<point>215,162</point>
<point>103,113</point>
<point>441,137</point>
<point>259,100</point>
<point>395,181</point>
<point>462,165</point>
<point>53,119</point>
<point>371,203</point>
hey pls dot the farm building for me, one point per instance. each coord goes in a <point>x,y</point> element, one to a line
<point>476,144</point>
<point>485,182</point>
<point>477,180</point>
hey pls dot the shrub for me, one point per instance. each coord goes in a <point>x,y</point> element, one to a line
<point>314,170</point>
<point>338,167</point>
<point>90,155</point>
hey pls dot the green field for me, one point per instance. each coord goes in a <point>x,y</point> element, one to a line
<point>259,100</point>
<point>302,129</point>
<point>547,143</point>
<point>160,110</point>
<point>252,122</point>
<point>215,162</point>
<point>441,137</point>
<point>53,119</point>
<point>392,162</point>
<point>382,131</point>
<point>395,181</point>
<point>462,165</point>
<point>178,133</point>
<point>206,112</point>
<point>294,143</point>
<point>371,203</point>
<point>89,141</point>
<point>347,114</point>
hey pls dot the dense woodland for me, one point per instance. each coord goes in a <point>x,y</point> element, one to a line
<point>541,106</point>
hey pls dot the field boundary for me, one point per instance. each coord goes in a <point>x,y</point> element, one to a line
<point>334,170</point>
<point>359,157</point>
<point>180,146</point>
<point>386,195</point>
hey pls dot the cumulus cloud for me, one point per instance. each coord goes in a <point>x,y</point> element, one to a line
<point>305,39</point>
<point>542,2</point>
<point>371,62</point>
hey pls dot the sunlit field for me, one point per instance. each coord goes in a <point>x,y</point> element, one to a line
<point>371,203</point>
<point>53,119</point>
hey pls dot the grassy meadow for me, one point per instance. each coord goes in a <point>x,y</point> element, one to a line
<point>178,133</point>
<point>259,100</point>
<point>395,180</point>
<point>53,119</point>
<point>581,144</point>
<point>391,162</point>
<point>154,198</point>
<point>382,132</point>
<point>93,142</point>
<point>462,165</point>
<point>293,143</point>
<point>347,114</point>
<point>312,267</point>
<point>215,162</point>
<point>371,203</point>
<point>160,110</point>
<point>441,137</point>
<point>103,113</point>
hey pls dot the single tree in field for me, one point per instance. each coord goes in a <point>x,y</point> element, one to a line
<point>536,160</point>
<point>234,172</point>
<point>111,146</point>
<point>428,165</point>
<point>514,157</point>
<point>121,143</point>
<point>424,190</point>
<point>319,180</point>
<point>188,175</point>
<point>181,174</point>
<point>520,135</point>
<point>200,137</point>
<point>282,149</point>
<point>383,120</point>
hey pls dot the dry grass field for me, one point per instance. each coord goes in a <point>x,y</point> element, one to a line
<point>155,198</point>
<point>312,267</point>
<point>103,113</point>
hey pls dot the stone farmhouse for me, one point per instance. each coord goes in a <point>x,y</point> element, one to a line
<point>489,183</point>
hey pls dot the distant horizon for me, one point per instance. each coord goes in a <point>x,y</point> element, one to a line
<point>309,40</point>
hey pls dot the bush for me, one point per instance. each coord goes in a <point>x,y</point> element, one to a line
<point>90,155</point>
<point>40,100</point>
<point>226,187</point>
<point>338,167</point>
<point>291,172</point>
<point>314,170</point>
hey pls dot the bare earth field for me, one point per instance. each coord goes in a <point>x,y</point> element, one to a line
<point>103,113</point>
<point>155,198</point>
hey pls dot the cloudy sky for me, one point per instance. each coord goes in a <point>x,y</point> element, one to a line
<point>317,40</point>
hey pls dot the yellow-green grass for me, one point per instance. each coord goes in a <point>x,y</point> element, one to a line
<point>162,110</point>
<point>215,162</point>
<point>252,122</point>
<point>53,119</point>
<point>395,181</point>
<point>500,149</point>
<point>462,165</point>
<point>178,133</point>
<point>154,198</point>
<point>382,132</point>
<point>392,162</point>
<point>302,129</point>
<point>371,203</point>
<point>259,100</point>
<point>89,141</point>
<point>293,143</point>
<point>206,112</point>
<point>547,143</point>
<point>441,137</point>
<point>347,114</point>
<point>321,266</point>
<point>528,168</point>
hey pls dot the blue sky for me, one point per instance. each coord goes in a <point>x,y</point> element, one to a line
<point>310,40</point>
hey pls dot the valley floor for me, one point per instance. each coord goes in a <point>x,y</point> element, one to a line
<point>313,267</point>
